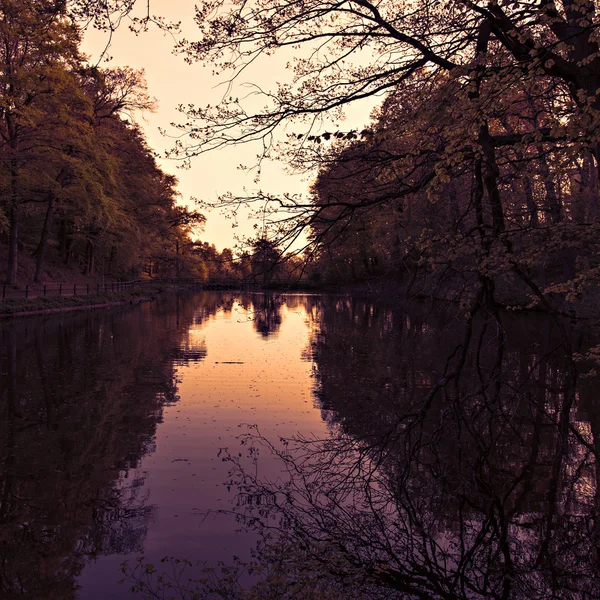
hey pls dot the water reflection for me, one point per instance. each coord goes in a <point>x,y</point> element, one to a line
<point>80,400</point>
<point>189,351</point>
<point>265,311</point>
<point>462,462</point>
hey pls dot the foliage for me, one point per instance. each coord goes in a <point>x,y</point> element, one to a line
<point>480,167</point>
<point>349,50</point>
<point>77,178</point>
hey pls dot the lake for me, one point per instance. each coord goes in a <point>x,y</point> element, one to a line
<point>458,457</point>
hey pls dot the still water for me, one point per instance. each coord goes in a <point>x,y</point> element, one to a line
<point>484,436</point>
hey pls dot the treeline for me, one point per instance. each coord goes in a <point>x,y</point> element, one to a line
<point>497,192</point>
<point>77,178</point>
<point>480,171</point>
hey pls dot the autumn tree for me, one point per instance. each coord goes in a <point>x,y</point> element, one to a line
<point>503,84</point>
<point>381,46</point>
<point>134,222</point>
<point>528,225</point>
<point>39,51</point>
<point>216,264</point>
<point>77,173</point>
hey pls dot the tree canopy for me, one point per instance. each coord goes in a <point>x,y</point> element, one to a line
<point>486,140</point>
<point>345,51</point>
<point>77,178</point>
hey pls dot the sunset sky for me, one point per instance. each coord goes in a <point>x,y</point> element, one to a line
<point>172,82</point>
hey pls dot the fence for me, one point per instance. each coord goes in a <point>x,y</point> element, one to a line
<point>36,290</point>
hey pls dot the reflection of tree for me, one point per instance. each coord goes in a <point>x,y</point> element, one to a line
<point>462,463</point>
<point>265,310</point>
<point>80,399</point>
<point>189,351</point>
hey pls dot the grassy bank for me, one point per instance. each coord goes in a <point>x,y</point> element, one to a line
<point>40,305</point>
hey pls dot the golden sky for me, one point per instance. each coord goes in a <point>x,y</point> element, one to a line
<point>172,82</point>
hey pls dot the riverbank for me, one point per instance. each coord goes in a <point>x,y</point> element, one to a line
<point>34,303</point>
<point>22,307</point>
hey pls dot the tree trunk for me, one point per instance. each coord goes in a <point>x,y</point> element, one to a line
<point>596,153</point>
<point>552,199</point>
<point>177,267</point>
<point>111,259</point>
<point>62,238</point>
<point>15,221</point>
<point>89,263</point>
<point>487,284</point>
<point>589,180</point>
<point>532,209</point>
<point>532,219</point>
<point>490,178</point>
<point>13,244</point>
<point>66,240</point>
<point>41,249</point>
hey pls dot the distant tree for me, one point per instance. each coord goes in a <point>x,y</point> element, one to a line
<point>118,92</point>
<point>264,259</point>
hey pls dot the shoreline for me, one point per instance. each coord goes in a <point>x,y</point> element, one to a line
<point>63,304</point>
<point>51,311</point>
<point>42,305</point>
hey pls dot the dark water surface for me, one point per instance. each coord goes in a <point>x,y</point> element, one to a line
<point>485,436</point>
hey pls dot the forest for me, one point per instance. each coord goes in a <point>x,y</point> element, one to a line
<point>80,187</point>
<point>476,177</point>
<point>478,174</point>
<point>513,215</point>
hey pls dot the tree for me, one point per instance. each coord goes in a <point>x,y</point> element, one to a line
<point>74,169</point>
<point>141,227</point>
<point>505,229</point>
<point>500,84</point>
<point>109,15</point>
<point>38,50</point>
<point>117,92</point>
<point>381,46</point>
<point>264,259</point>
<point>73,154</point>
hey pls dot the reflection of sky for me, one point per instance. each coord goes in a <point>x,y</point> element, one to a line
<point>244,378</point>
<point>174,82</point>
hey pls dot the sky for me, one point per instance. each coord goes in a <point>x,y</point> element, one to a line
<point>173,82</point>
